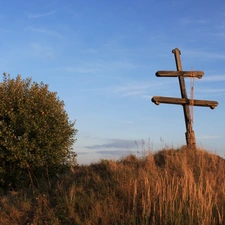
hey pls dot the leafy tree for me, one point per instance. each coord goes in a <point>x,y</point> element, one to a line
<point>35,132</point>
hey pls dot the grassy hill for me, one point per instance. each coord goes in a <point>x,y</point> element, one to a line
<point>181,186</point>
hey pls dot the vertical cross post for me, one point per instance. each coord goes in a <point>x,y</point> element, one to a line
<point>190,136</point>
<point>184,101</point>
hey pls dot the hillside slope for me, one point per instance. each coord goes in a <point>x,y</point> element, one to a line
<point>180,186</point>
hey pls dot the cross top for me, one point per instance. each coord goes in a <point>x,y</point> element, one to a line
<point>184,101</point>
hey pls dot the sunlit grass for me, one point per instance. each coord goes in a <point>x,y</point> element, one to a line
<point>182,186</point>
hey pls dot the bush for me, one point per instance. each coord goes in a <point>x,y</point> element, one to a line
<point>35,132</point>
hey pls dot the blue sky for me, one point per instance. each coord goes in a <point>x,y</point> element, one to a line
<point>101,58</point>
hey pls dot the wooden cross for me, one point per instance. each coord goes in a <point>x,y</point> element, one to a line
<point>184,101</point>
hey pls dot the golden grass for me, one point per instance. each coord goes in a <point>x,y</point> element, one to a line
<point>182,186</point>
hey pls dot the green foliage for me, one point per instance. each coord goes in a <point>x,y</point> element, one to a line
<point>35,132</point>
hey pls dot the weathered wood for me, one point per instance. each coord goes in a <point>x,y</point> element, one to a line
<point>190,138</point>
<point>184,101</point>
<point>162,73</point>
<point>181,101</point>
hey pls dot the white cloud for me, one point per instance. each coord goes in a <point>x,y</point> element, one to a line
<point>193,21</point>
<point>89,51</point>
<point>211,90</point>
<point>142,89</point>
<point>115,143</point>
<point>40,50</point>
<point>129,122</point>
<point>46,31</point>
<point>36,16</point>
<point>204,54</point>
<point>214,78</point>
<point>203,136</point>
<point>79,69</point>
<point>215,90</point>
<point>4,30</point>
<point>100,66</point>
<point>222,35</point>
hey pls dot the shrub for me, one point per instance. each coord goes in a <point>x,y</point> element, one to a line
<point>35,132</point>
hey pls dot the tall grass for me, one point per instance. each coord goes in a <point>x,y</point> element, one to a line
<point>182,186</point>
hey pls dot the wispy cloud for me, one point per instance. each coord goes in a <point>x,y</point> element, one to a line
<point>39,15</point>
<point>134,87</point>
<point>134,93</point>
<point>141,89</point>
<point>208,137</point>
<point>213,90</point>
<point>89,51</point>
<point>46,32</point>
<point>99,66</point>
<point>4,30</point>
<point>214,78</point>
<point>193,21</point>
<point>80,69</point>
<point>129,122</point>
<point>115,143</point>
<point>204,54</point>
<point>40,50</point>
<point>222,35</point>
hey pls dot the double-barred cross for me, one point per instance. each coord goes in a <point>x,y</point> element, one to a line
<point>184,101</point>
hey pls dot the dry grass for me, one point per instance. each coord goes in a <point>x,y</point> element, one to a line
<point>181,186</point>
